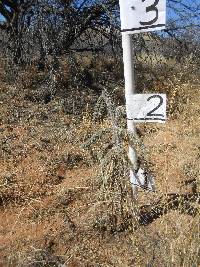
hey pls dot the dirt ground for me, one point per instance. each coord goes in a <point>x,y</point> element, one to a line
<point>48,194</point>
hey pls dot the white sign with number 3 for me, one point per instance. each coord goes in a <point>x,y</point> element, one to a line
<point>142,15</point>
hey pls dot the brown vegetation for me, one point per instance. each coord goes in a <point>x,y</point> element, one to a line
<point>56,208</point>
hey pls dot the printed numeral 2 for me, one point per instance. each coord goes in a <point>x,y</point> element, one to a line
<point>150,113</point>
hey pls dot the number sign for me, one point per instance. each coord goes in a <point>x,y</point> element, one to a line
<point>146,107</point>
<point>142,15</point>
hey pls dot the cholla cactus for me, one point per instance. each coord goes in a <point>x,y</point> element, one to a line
<point>110,145</point>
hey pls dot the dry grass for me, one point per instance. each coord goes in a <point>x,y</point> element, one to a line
<point>59,209</point>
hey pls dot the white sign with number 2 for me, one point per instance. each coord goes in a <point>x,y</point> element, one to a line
<point>146,107</point>
<point>142,15</point>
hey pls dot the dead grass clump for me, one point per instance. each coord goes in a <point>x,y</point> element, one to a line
<point>178,80</point>
<point>118,210</point>
<point>37,258</point>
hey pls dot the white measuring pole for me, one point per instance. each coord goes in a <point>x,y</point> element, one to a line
<point>129,90</point>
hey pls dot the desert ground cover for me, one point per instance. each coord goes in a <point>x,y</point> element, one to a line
<point>53,210</point>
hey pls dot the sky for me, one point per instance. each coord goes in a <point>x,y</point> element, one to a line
<point>1,18</point>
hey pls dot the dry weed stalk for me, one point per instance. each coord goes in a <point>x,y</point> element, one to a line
<point>109,147</point>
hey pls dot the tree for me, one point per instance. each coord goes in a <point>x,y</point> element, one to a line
<point>39,29</point>
<point>59,22</point>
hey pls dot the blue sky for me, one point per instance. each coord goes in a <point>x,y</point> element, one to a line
<point>1,18</point>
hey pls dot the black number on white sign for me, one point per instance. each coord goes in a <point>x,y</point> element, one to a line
<point>150,113</point>
<point>150,9</point>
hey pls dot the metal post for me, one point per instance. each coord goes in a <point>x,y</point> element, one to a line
<point>129,90</point>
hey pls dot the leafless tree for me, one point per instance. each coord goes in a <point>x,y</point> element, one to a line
<point>37,29</point>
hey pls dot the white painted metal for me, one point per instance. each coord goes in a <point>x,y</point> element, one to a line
<point>143,180</point>
<point>129,90</point>
<point>147,107</point>
<point>142,16</point>
<point>138,178</point>
<point>138,16</point>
